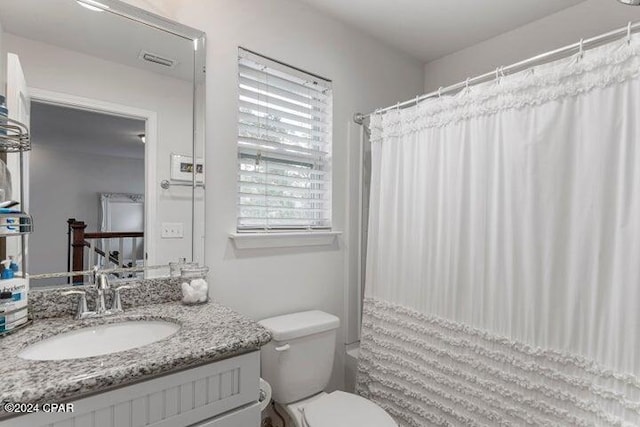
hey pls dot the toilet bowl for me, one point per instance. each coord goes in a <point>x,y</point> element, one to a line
<point>298,363</point>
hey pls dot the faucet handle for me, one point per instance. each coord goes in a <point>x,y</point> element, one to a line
<point>94,275</point>
<point>82,308</point>
<point>102,281</point>
<point>116,305</point>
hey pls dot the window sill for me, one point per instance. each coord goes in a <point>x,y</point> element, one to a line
<point>283,240</point>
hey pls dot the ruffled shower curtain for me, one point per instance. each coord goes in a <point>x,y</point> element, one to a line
<point>503,265</point>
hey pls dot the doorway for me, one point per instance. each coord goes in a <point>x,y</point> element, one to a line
<point>88,158</point>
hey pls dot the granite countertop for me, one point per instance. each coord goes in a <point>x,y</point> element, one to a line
<point>208,332</point>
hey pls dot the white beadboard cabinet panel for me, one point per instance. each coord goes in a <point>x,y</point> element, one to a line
<point>171,402</point>
<point>180,399</point>
<point>200,390</point>
<point>138,412</point>
<point>249,416</point>
<point>156,407</point>
<point>103,416</point>
<point>121,414</point>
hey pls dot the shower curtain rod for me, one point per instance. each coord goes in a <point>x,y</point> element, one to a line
<point>583,44</point>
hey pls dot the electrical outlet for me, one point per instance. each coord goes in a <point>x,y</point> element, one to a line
<point>172,230</point>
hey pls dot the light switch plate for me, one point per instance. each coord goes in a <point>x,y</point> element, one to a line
<point>172,230</point>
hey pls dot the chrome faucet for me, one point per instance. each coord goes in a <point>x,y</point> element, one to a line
<point>102,284</point>
<point>116,302</point>
<point>101,281</point>
<point>82,311</point>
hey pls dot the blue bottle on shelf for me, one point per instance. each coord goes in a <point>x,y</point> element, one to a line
<point>13,265</point>
<point>7,273</point>
<point>3,115</point>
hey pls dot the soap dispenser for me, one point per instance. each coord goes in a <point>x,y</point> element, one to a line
<point>13,265</point>
<point>7,273</point>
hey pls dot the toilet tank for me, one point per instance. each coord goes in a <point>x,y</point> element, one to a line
<point>299,359</point>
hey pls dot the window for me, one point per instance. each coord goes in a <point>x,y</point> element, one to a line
<point>284,147</point>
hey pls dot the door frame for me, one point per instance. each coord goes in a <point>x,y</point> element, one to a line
<point>150,150</point>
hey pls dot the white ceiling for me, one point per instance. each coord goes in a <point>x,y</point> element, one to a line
<point>84,131</point>
<point>430,29</point>
<point>103,34</point>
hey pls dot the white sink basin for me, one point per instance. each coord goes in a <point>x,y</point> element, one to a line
<point>99,340</point>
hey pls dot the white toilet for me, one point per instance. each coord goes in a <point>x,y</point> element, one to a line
<point>298,363</point>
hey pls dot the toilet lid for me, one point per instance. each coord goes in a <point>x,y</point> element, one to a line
<point>340,409</point>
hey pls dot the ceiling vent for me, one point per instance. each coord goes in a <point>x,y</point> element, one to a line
<point>157,59</point>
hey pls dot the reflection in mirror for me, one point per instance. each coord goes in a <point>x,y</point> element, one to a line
<point>114,97</point>
<point>79,161</point>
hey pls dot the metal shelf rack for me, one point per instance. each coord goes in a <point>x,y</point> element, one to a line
<point>15,139</point>
<point>14,136</point>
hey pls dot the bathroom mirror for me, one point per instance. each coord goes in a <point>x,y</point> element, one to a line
<point>114,97</point>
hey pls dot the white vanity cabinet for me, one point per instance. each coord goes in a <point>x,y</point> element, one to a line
<point>220,394</point>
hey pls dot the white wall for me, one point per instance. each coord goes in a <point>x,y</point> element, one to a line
<point>62,70</point>
<point>568,26</point>
<point>365,75</point>
<point>79,177</point>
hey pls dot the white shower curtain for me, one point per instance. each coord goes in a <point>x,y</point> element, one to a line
<point>503,265</point>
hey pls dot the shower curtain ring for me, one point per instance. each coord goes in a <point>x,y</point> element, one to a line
<point>466,84</point>
<point>497,74</point>
<point>629,33</point>
<point>440,92</point>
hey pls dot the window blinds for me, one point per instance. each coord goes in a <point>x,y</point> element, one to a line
<point>284,147</point>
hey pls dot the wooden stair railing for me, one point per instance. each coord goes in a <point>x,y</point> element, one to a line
<point>79,239</point>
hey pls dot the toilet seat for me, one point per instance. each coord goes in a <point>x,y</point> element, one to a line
<point>340,409</point>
